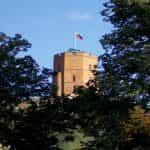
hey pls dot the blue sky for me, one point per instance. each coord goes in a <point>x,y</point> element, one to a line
<point>50,25</point>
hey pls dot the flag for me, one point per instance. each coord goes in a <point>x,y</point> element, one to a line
<point>78,36</point>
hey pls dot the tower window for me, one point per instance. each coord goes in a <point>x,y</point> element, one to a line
<point>90,67</point>
<point>74,78</point>
<point>95,66</point>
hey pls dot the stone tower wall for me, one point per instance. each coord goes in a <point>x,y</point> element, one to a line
<point>73,69</point>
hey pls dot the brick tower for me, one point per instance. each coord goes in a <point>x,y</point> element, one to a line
<point>73,68</point>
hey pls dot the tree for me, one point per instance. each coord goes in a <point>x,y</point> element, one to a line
<point>124,80</point>
<point>21,79</point>
<point>125,61</point>
<point>137,129</point>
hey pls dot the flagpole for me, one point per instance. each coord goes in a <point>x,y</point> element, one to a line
<point>75,41</point>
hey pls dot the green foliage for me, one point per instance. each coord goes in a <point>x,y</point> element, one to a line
<point>138,122</point>
<point>4,147</point>
<point>125,63</point>
<point>136,128</point>
<point>76,142</point>
<point>124,80</point>
<point>21,79</point>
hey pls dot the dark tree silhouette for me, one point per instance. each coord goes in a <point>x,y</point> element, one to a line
<point>22,79</point>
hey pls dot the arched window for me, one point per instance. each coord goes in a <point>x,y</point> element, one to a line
<point>90,67</point>
<point>74,78</point>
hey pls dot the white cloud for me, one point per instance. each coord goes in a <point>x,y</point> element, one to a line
<point>79,16</point>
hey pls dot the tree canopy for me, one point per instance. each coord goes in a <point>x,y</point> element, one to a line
<point>125,58</point>
<point>20,77</point>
